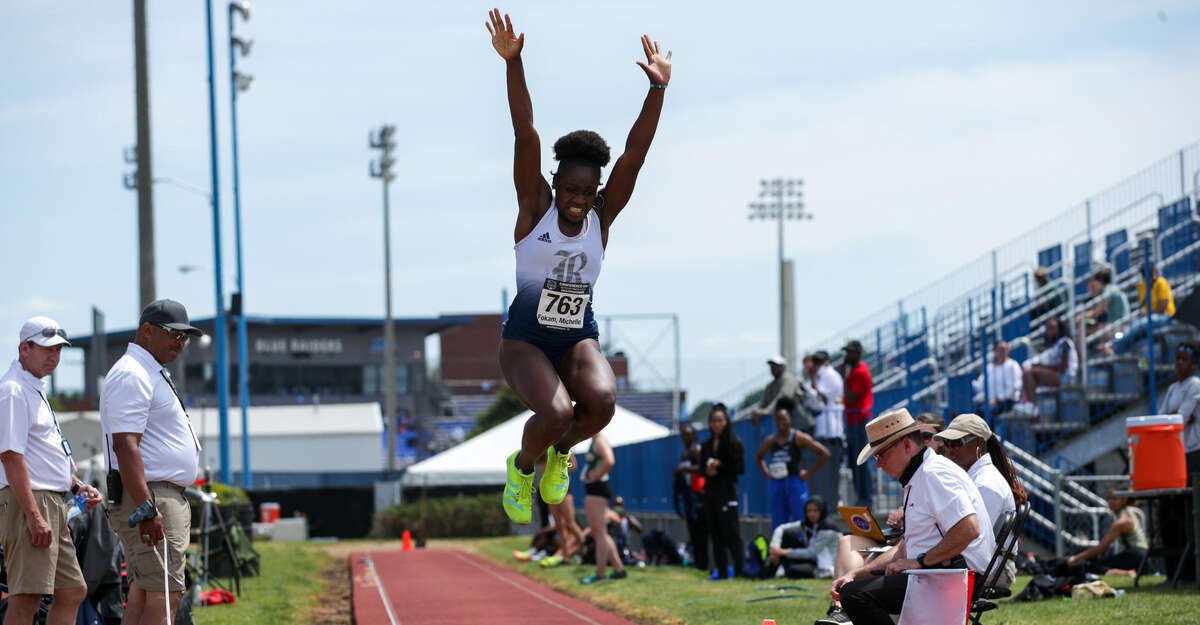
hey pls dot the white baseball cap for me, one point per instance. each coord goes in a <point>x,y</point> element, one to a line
<point>44,331</point>
<point>777,360</point>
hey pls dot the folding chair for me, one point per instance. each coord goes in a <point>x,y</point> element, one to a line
<point>986,590</point>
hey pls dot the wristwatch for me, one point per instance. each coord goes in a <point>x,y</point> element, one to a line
<point>75,487</point>
<point>921,561</point>
<point>143,512</point>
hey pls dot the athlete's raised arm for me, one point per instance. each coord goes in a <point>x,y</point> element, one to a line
<point>625,170</point>
<point>533,193</point>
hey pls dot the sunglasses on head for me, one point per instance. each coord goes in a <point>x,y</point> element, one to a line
<point>174,335</point>
<point>954,444</point>
<point>47,333</point>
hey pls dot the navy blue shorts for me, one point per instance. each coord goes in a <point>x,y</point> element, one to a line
<point>522,325</point>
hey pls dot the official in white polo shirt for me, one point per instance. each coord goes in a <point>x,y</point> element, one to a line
<point>36,478</point>
<point>946,524</point>
<point>152,454</point>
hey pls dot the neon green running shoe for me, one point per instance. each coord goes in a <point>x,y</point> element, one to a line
<point>550,561</point>
<point>518,493</point>
<point>555,479</point>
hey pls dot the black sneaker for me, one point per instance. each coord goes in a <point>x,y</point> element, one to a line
<point>622,574</point>
<point>835,617</point>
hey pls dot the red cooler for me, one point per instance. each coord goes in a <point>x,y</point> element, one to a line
<point>268,512</point>
<point>1156,458</point>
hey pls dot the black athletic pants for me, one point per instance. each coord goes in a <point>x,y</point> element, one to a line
<point>872,601</point>
<point>724,528</point>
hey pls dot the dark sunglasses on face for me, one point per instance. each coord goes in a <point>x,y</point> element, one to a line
<point>175,335</point>
<point>47,333</point>
<point>955,444</point>
<point>926,436</point>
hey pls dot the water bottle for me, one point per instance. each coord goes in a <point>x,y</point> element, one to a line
<point>81,501</point>
<point>1120,592</point>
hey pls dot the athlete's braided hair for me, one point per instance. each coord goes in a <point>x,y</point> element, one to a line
<point>582,147</point>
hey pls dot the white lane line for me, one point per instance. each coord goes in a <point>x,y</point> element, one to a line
<point>524,589</point>
<point>387,604</point>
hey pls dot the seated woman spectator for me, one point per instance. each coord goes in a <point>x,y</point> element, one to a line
<point>779,460</point>
<point>1183,399</point>
<point>569,535</point>
<point>970,443</point>
<point>1127,535</point>
<point>1162,303</point>
<point>1059,362</point>
<point>724,459</point>
<point>806,548</point>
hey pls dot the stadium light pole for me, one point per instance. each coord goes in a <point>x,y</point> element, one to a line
<point>219,323</point>
<point>781,199</point>
<point>381,168</point>
<point>240,82</point>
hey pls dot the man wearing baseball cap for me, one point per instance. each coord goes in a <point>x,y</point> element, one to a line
<point>782,384</point>
<point>36,475</point>
<point>152,455</point>
<point>945,522</point>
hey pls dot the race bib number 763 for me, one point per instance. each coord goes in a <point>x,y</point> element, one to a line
<point>563,304</point>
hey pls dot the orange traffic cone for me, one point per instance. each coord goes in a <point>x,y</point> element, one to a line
<point>406,541</point>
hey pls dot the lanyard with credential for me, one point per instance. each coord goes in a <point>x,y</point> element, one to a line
<point>66,447</point>
<point>186,416</point>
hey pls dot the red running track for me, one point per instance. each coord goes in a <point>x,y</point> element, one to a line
<point>429,586</point>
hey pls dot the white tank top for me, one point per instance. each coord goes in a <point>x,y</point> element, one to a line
<point>559,272</point>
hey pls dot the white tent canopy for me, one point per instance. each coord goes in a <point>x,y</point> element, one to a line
<point>480,460</point>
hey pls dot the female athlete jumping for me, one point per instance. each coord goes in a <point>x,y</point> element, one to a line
<point>549,352</point>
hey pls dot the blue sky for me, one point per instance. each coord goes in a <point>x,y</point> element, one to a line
<point>927,133</point>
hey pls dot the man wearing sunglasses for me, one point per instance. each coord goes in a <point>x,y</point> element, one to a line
<point>36,474</point>
<point>944,522</point>
<point>152,455</point>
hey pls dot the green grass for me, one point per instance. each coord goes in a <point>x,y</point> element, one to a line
<point>288,587</point>
<point>678,595</point>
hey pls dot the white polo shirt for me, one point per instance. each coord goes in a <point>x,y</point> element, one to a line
<point>137,397</point>
<point>939,495</point>
<point>995,491</point>
<point>831,422</point>
<point>28,427</point>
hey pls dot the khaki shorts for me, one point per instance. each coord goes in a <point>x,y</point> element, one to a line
<point>33,570</point>
<point>144,562</point>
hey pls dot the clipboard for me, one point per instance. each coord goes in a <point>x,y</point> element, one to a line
<point>861,522</point>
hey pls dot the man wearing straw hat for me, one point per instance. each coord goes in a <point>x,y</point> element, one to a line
<point>945,521</point>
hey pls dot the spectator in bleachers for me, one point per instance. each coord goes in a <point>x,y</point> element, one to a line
<point>1127,533</point>
<point>783,384</point>
<point>1004,379</point>
<point>830,427</point>
<point>1183,398</point>
<point>1050,294</point>
<point>689,495</point>
<point>1162,301</point>
<point>858,401</point>
<point>1107,309</point>
<point>1057,363</point>
<point>779,460</point>
<point>970,443</point>
<point>723,459</point>
<point>806,548</point>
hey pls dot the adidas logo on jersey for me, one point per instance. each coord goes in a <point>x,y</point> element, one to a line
<point>545,238</point>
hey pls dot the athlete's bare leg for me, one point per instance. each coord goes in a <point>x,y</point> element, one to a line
<point>590,381</point>
<point>533,378</point>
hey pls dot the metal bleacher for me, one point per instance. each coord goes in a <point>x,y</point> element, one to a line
<point>925,351</point>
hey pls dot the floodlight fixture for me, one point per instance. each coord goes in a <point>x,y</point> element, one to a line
<point>242,8</point>
<point>243,45</point>
<point>242,81</point>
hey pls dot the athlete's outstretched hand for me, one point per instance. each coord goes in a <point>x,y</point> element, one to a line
<point>507,44</point>
<point>657,66</point>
